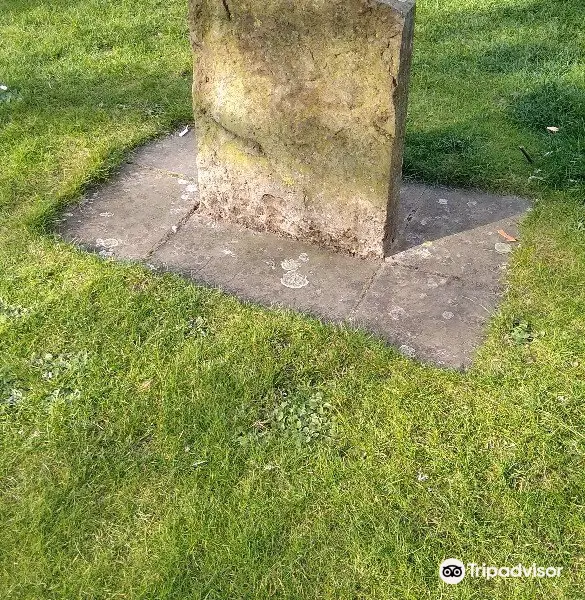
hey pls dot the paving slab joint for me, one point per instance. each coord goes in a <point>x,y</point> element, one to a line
<point>367,285</point>
<point>173,230</point>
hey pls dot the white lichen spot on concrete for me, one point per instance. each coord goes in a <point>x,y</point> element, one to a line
<point>397,313</point>
<point>228,252</point>
<point>106,214</point>
<point>107,243</point>
<point>502,248</point>
<point>447,315</point>
<point>443,201</point>
<point>183,181</point>
<point>407,351</point>
<point>472,203</point>
<point>191,188</point>
<point>290,264</point>
<point>304,257</point>
<point>433,282</point>
<point>271,264</point>
<point>294,280</point>
<point>421,251</point>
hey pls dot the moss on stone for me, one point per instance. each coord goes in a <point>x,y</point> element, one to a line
<point>313,84</point>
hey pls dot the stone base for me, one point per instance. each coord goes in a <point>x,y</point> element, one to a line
<point>431,299</point>
<point>238,182</point>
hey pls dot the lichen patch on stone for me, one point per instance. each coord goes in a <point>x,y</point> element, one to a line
<point>294,280</point>
<point>301,110</point>
<point>289,264</point>
<point>107,243</point>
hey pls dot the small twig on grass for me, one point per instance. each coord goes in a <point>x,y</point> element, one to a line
<point>528,157</point>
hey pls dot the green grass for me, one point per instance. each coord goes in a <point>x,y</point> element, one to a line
<point>130,463</point>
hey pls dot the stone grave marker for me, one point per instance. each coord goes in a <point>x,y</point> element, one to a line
<point>300,108</point>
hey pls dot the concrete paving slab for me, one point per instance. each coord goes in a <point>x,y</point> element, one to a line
<point>128,216</point>
<point>175,153</point>
<point>432,317</point>
<point>477,255</point>
<point>441,212</point>
<point>266,268</point>
<point>431,299</point>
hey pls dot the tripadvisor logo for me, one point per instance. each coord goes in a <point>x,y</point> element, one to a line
<point>452,570</point>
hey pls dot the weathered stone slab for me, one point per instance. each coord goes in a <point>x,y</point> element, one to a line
<point>266,268</point>
<point>131,214</point>
<point>471,254</point>
<point>433,300</point>
<point>300,109</point>
<point>174,153</point>
<point>441,212</point>
<point>427,316</point>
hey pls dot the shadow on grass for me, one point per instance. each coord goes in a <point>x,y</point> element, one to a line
<point>504,58</point>
<point>563,106</point>
<point>551,103</point>
<point>496,70</point>
<point>452,155</point>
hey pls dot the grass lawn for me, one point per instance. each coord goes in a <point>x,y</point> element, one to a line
<point>132,464</point>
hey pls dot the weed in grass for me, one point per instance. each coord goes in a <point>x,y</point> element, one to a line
<point>55,366</point>
<point>279,341</point>
<point>10,392</point>
<point>7,95</point>
<point>60,396</point>
<point>11,311</point>
<point>521,332</point>
<point>301,417</point>
<point>197,327</point>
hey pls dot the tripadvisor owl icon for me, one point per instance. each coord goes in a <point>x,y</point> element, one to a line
<point>451,570</point>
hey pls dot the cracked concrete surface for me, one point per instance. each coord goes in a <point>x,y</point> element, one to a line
<point>431,299</point>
